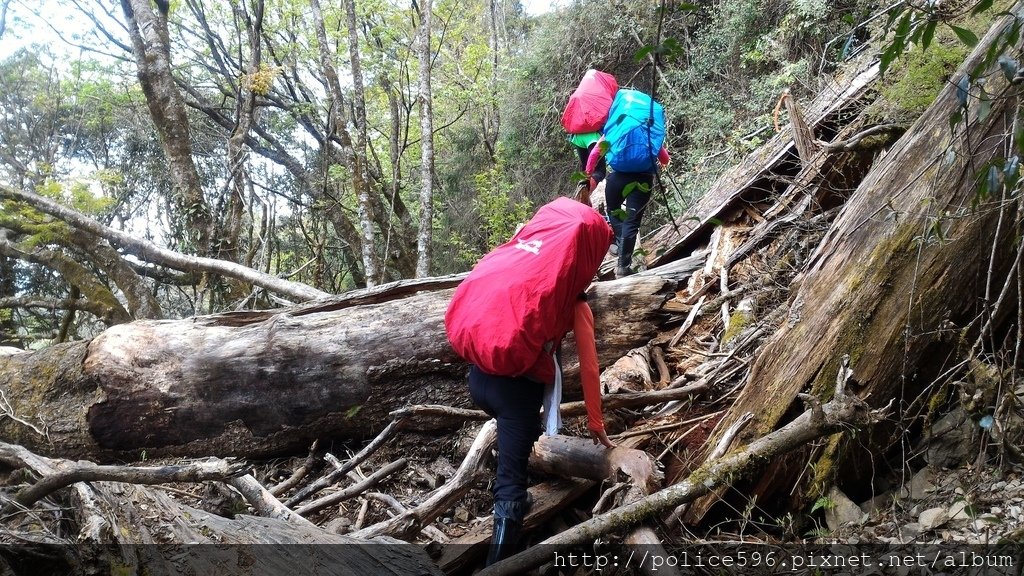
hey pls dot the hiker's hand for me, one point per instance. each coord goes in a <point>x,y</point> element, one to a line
<point>600,437</point>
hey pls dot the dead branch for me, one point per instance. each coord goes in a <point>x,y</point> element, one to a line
<point>354,490</point>
<point>716,453</point>
<point>397,507</point>
<point>635,399</point>
<point>265,503</point>
<point>853,141</point>
<point>694,312</point>
<point>65,473</point>
<point>153,253</point>
<point>664,375</point>
<point>406,526</point>
<point>438,411</point>
<point>298,474</point>
<point>339,473</point>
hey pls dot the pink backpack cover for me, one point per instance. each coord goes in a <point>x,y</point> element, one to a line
<point>587,108</point>
<point>519,298</point>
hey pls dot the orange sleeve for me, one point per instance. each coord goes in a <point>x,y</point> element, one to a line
<point>590,375</point>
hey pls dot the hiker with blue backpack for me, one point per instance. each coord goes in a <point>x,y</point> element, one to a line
<point>633,145</point>
<point>507,318</point>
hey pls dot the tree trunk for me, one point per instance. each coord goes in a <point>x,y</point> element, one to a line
<point>237,153</point>
<point>258,383</point>
<point>894,284</point>
<point>360,174</point>
<point>426,236</point>
<point>151,45</point>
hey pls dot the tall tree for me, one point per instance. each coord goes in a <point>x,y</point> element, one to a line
<point>360,180</point>
<point>151,46</point>
<point>245,108</point>
<point>491,117</point>
<point>426,236</point>
<point>8,328</point>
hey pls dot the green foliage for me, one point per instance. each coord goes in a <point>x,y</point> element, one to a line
<point>499,214</point>
<point>916,79</point>
<point>499,217</point>
<point>823,503</point>
<point>926,27</point>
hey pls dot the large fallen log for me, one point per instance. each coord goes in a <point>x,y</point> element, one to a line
<point>898,283</point>
<point>259,383</point>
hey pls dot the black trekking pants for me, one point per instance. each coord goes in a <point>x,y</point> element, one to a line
<point>515,403</point>
<point>625,209</point>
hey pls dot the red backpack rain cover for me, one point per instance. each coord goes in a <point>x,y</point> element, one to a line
<point>587,109</point>
<point>520,296</point>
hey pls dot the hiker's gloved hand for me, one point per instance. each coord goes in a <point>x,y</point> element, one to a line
<point>600,437</point>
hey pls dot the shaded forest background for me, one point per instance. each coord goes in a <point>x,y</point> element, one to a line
<point>288,136</point>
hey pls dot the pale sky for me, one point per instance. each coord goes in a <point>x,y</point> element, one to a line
<point>535,7</point>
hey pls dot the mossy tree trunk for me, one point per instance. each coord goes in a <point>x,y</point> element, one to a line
<point>900,283</point>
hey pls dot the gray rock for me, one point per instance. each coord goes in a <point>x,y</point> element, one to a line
<point>932,518</point>
<point>959,511</point>
<point>949,442</point>
<point>843,511</point>
<point>920,486</point>
<point>911,531</point>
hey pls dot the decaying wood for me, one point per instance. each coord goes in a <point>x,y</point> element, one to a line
<point>803,138</point>
<point>877,288</point>
<point>256,384</point>
<point>751,179</point>
<point>631,373</point>
<point>569,456</point>
<point>63,473</point>
<point>354,490</point>
<point>116,519</point>
<point>405,526</point>
<point>841,413</point>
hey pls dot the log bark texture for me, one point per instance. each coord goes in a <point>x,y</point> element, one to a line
<point>261,383</point>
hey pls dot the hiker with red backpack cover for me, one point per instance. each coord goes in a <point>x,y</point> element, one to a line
<point>633,143</point>
<point>584,116</point>
<point>507,319</point>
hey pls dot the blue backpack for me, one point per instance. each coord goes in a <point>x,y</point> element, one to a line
<point>634,135</point>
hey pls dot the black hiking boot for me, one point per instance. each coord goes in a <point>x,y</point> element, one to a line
<point>508,522</point>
